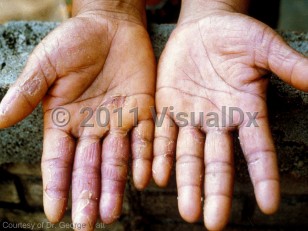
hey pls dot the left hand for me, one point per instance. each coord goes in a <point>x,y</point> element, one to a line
<point>219,59</point>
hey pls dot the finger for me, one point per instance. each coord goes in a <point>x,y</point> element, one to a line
<point>218,183</point>
<point>164,148</point>
<point>39,74</point>
<point>28,90</point>
<point>259,151</point>
<point>142,149</point>
<point>52,60</point>
<point>189,172</point>
<point>57,161</point>
<point>86,182</point>
<point>115,155</point>
<point>277,56</point>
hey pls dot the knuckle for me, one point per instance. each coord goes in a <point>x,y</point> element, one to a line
<point>114,172</point>
<point>55,163</point>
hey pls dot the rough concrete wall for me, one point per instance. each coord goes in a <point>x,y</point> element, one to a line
<point>154,209</point>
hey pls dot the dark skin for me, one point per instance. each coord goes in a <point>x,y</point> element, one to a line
<point>87,62</point>
<point>103,57</point>
<point>217,57</point>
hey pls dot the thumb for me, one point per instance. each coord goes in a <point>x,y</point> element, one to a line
<point>29,89</point>
<point>289,65</point>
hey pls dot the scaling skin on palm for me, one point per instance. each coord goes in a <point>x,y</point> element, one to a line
<point>89,62</point>
<point>212,62</point>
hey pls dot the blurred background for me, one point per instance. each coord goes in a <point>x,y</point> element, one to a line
<point>43,10</point>
<point>279,14</point>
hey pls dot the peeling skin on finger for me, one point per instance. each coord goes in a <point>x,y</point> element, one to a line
<point>142,142</point>
<point>198,137</point>
<point>169,151</point>
<point>63,148</point>
<point>82,203</point>
<point>52,198</point>
<point>56,201</point>
<point>115,101</point>
<point>154,172</point>
<point>254,162</point>
<point>31,86</point>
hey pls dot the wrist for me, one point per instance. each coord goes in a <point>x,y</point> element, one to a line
<point>129,10</point>
<point>195,9</point>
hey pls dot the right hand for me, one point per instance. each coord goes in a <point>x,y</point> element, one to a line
<point>100,57</point>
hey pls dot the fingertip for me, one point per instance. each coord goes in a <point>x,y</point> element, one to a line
<point>54,208</point>
<point>216,212</point>
<point>288,64</point>
<point>7,108</point>
<point>161,172</point>
<point>83,222</point>
<point>110,207</point>
<point>189,202</point>
<point>268,196</point>
<point>299,77</point>
<point>3,122</point>
<point>141,173</point>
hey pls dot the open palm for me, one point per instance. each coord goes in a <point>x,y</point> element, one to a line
<point>97,72</point>
<point>212,65</point>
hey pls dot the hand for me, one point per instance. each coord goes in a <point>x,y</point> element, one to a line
<point>100,58</point>
<point>214,59</point>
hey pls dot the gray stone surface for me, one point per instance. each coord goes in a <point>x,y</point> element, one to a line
<point>288,107</point>
<point>23,142</point>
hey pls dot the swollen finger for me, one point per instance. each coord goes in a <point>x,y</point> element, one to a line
<point>57,161</point>
<point>86,183</point>
<point>114,170</point>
